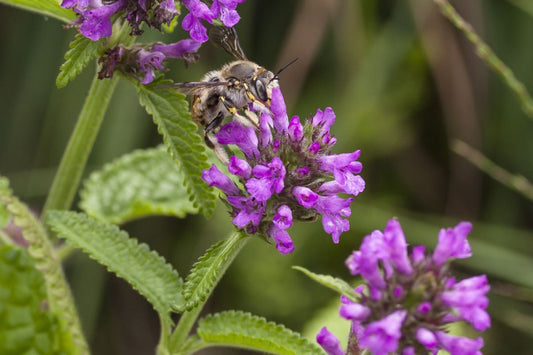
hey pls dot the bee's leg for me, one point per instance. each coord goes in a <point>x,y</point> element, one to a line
<point>233,111</point>
<point>212,142</point>
<point>252,116</point>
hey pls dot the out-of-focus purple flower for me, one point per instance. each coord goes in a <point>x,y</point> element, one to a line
<point>407,300</point>
<point>456,345</point>
<point>96,22</point>
<point>468,298</point>
<point>95,15</point>
<point>141,62</point>
<point>225,10</point>
<point>453,244</point>
<point>179,49</point>
<point>192,22</point>
<point>148,61</point>
<point>287,177</point>
<point>329,342</point>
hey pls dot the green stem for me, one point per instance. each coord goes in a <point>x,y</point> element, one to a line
<point>229,252</point>
<point>488,56</point>
<point>79,147</point>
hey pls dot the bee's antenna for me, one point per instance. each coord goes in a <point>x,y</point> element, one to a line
<point>283,68</point>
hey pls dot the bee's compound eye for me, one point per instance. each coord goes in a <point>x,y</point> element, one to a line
<point>261,90</point>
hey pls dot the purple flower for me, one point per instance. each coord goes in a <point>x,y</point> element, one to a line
<point>179,49</point>
<point>329,342</point>
<point>381,337</point>
<point>148,61</point>
<point>192,22</point>
<point>96,22</point>
<point>459,345</point>
<point>214,177</point>
<point>225,10</point>
<point>453,244</point>
<point>469,299</point>
<point>287,178</point>
<point>407,300</point>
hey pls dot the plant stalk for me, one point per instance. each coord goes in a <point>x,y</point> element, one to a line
<point>232,247</point>
<point>68,176</point>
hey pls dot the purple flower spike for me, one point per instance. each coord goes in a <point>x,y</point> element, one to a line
<point>407,300</point>
<point>290,180</point>
<point>453,244</point>
<point>329,342</point>
<point>381,337</point>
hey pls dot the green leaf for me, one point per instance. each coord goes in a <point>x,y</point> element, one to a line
<point>169,111</point>
<point>49,8</point>
<point>82,51</point>
<point>26,325</point>
<point>42,252</point>
<point>142,183</point>
<point>244,330</point>
<point>144,269</point>
<point>209,268</point>
<point>525,5</point>
<point>334,283</point>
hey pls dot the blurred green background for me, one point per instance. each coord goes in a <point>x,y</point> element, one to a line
<point>403,83</point>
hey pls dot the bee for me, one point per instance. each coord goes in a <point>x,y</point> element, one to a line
<point>228,91</point>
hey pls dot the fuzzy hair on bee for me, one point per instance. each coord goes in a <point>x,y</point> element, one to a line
<point>227,92</point>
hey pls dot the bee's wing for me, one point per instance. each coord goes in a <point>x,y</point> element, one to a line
<point>227,38</point>
<point>191,87</point>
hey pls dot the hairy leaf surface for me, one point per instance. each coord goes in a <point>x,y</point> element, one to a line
<point>59,298</point>
<point>170,113</point>
<point>142,183</point>
<point>244,330</point>
<point>144,269</point>
<point>82,51</point>
<point>331,282</point>
<point>26,324</point>
<point>44,7</point>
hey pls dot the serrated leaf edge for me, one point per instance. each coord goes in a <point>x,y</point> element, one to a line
<point>250,323</point>
<point>134,244</point>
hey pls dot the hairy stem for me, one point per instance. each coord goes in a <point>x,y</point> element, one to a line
<point>68,176</point>
<point>232,247</point>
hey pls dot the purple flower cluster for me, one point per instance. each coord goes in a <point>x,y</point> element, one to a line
<point>287,172</point>
<point>95,15</point>
<point>141,62</point>
<point>410,298</point>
